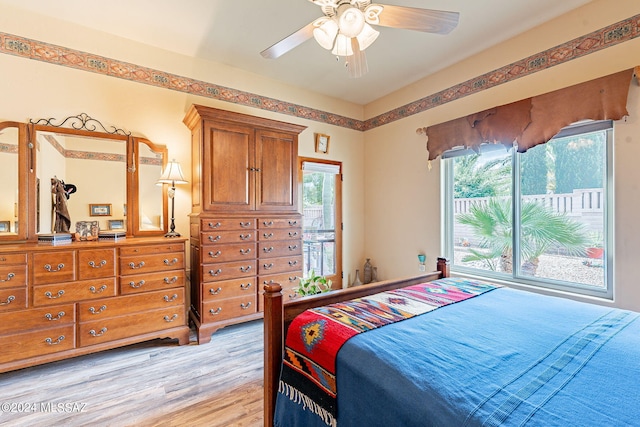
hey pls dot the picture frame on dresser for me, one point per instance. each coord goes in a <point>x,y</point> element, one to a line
<point>116,224</point>
<point>5,226</point>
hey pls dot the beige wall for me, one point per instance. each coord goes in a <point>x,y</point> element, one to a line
<point>391,201</point>
<point>403,204</point>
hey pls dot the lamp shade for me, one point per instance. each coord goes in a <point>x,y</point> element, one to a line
<point>325,32</point>
<point>172,174</point>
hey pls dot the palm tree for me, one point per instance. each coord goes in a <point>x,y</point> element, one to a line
<point>539,227</point>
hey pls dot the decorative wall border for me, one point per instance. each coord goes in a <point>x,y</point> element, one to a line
<point>609,36</point>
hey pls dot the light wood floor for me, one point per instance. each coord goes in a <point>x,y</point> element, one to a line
<point>156,383</point>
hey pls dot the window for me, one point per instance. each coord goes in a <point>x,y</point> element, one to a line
<point>322,218</point>
<point>542,217</point>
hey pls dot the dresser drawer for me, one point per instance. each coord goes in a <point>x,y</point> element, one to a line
<point>279,265</point>
<point>152,281</point>
<point>231,252</point>
<point>93,264</point>
<point>233,236</point>
<point>279,248</point>
<point>215,311</point>
<point>18,258</point>
<point>148,263</point>
<point>37,343</point>
<point>152,249</point>
<point>279,234</point>
<point>228,289</point>
<point>37,318</point>
<point>73,291</point>
<point>229,270</point>
<point>114,328</point>
<point>288,281</point>
<point>12,276</point>
<point>223,224</point>
<point>13,298</point>
<point>264,223</point>
<point>53,267</point>
<point>119,306</point>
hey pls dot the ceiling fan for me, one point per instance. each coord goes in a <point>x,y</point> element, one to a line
<point>345,29</point>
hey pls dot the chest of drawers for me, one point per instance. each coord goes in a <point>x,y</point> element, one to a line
<point>63,301</point>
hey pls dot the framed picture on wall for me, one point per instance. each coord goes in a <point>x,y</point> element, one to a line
<point>100,210</point>
<point>322,143</point>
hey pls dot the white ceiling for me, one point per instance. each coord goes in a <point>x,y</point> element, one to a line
<point>234,32</point>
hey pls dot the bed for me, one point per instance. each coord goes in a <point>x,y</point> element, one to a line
<point>478,354</point>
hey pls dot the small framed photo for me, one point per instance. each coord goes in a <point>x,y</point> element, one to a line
<point>116,224</point>
<point>5,226</point>
<point>87,230</point>
<point>322,143</point>
<point>100,210</point>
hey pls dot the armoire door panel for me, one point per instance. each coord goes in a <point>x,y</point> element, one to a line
<point>276,156</point>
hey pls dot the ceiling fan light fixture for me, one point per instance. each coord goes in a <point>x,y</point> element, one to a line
<point>325,32</point>
<point>342,46</point>
<point>367,36</point>
<point>351,21</point>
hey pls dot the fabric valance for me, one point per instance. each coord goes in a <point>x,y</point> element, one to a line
<point>535,120</point>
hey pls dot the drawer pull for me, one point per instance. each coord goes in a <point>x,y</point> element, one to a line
<point>172,262</point>
<point>51,270</point>
<point>172,299</point>
<point>245,251</point>
<point>270,282</point>
<point>293,247</point>
<point>245,269</point>
<point>245,224</point>
<point>51,296</point>
<point>215,239</point>
<point>293,222</point>
<point>216,255</point>
<point>245,236</point>
<point>8,301</point>
<point>9,277</point>
<point>245,286</point>
<point>133,266</point>
<point>215,273</point>
<point>216,225</point>
<point>93,332</point>
<point>3,259</point>
<point>136,285</point>
<point>245,306</point>
<point>99,265</point>
<point>267,223</point>
<point>102,308</point>
<point>50,317</point>
<point>99,290</point>
<point>267,235</point>
<point>267,266</point>
<point>293,279</point>
<point>293,234</point>
<point>215,292</point>
<point>292,263</point>
<point>267,250</point>
<point>168,281</point>
<point>56,342</point>
<point>170,319</point>
<point>292,296</point>
<point>216,311</point>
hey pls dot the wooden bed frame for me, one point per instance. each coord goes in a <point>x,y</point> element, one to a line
<point>278,314</point>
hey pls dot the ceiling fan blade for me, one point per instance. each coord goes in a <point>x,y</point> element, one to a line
<point>411,18</point>
<point>289,42</point>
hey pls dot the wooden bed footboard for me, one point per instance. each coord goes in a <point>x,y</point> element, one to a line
<point>278,314</point>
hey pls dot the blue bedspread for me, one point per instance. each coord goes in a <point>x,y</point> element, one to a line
<point>504,358</point>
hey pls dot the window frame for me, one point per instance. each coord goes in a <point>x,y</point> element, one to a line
<point>516,277</point>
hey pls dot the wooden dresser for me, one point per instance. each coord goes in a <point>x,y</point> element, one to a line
<point>245,227</point>
<point>63,301</point>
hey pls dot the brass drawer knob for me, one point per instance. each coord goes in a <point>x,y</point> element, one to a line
<point>267,266</point>
<point>267,223</point>
<point>214,255</point>
<point>172,262</point>
<point>93,332</point>
<point>9,277</point>
<point>134,266</point>
<point>136,285</point>
<point>245,236</point>
<point>245,269</point>
<point>216,311</point>
<point>170,319</point>
<point>168,281</point>
<point>215,291</point>
<point>51,270</point>
<point>102,308</point>
<point>50,317</point>
<point>51,296</point>
<point>172,299</point>
<point>99,290</point>
<point>267,250</point>
<point>215,239</point>
<point>8,301</point>
<point>293,223</point>
<point>245,286</point>
<point>245,251</point>
<point>215,273</point>
<point>245,224</point>
<point>216,225</point>
<point>245,306</point>
<point>56,342</point>
<point>101,264</point>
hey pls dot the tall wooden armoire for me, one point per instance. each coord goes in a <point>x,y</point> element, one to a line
<point>246,230</point>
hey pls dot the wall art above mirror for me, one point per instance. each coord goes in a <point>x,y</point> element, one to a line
<point>56,172</point>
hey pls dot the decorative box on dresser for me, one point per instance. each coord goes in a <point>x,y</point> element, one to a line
<point>245,225</point>
<point>67,300</point>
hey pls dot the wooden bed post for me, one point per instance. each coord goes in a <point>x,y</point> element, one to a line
<point>273,348</point>
<point>443,266</point>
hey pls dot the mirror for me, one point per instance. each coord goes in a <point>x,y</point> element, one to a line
<point>10,178</point>
<point>152,212</point>
<point>94,175</point>
<point>58,177</point>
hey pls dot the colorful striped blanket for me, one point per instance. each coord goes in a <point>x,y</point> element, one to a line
<point>314,337</point>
